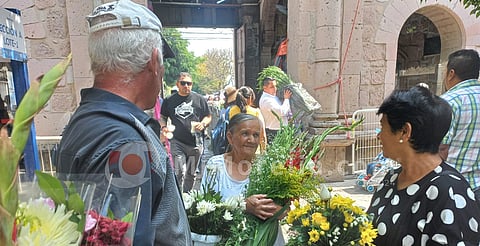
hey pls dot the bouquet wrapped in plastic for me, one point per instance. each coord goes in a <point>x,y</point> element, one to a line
<point>51,211</point>
<point>212,216</point>
<point>113,216</point>
<point>302,103</point>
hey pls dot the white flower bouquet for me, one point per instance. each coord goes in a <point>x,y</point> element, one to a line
<point>209,214</point>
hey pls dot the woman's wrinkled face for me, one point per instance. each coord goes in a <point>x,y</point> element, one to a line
<point>245,138</point>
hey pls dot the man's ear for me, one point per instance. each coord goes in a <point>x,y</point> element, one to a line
<point>449,80</point>
<point>153,64</point>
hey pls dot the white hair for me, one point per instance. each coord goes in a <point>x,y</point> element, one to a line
<point>123,50</point>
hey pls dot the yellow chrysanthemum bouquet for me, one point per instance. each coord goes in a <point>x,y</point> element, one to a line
<point>326,220</point>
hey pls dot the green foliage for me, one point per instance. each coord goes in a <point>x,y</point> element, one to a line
<point>184,61</point>
<point>11,148</point>
<point>475,4</point>
<point>210,72</point>
<point>273,72</point>
<point>286,171</point>
<point>215,70</point>
<point>63,193</point>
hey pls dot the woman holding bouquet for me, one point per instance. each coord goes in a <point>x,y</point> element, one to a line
<point>231,170</point>
<point>425,201</point>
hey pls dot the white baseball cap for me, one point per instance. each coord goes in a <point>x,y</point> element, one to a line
<point>128,15</point>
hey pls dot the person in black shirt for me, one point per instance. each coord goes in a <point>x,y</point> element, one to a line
<point>189,113</point>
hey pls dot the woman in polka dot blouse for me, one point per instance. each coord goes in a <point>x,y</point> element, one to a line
<point>425,201</point>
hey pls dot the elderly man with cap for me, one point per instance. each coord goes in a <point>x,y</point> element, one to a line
<point>111,135</point>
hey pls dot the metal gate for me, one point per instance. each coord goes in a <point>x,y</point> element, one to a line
<point>366,146</point>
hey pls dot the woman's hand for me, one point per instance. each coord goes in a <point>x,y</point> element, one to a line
<point>261,206</point>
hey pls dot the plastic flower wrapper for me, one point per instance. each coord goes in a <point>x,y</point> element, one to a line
<point>327,220</point>
<point>114,213</point>
<point>51,211</point>
<point>12,148</point>
<point>209,214</point>
<point>286,171</point>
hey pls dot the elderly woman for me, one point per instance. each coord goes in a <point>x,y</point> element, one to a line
<point>425,201</point>
<point>233,168</point>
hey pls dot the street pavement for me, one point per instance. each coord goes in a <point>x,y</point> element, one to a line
<point>349,188</point>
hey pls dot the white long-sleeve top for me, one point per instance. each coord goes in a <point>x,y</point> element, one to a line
<point>269,103</point>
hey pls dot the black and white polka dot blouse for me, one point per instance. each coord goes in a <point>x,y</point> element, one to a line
<point>439,209</point>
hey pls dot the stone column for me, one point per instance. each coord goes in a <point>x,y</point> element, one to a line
<point>250,45</point>
<point>314,30</point>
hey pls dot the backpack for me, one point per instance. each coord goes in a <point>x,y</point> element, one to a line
<point>219,133</point>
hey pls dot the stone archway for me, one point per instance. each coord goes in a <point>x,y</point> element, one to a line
<point>418,53</point>
<point>455,26</point>
<point>425,40</point>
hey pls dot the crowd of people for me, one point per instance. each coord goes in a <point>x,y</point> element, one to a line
<point>435,139</point>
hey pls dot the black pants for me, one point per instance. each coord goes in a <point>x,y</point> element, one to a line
<point>270,135</point>
<point>186,160</point>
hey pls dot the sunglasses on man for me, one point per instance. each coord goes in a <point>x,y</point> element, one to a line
<point>184,83</point>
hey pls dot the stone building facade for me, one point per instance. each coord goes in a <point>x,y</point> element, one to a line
<point>320,47</point>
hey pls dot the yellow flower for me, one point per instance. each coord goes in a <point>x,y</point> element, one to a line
<point>42,225</point>
<point>319,220</point>
<point>348,217</point>
<point>367,234</point>
<point>314,236</point>
<point>296,203</point>
<point>341,202</point>
<point>305,222</point>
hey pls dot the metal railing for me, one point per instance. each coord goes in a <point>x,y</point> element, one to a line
<point>47,150</point>
<point>366,145</point>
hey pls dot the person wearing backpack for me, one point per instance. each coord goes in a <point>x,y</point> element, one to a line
<point>219,142</point>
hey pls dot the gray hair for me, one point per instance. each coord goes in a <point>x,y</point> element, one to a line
<point>123,50</point>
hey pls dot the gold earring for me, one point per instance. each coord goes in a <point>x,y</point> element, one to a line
<point>401,141</point>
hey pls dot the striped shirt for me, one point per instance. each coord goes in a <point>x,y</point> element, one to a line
<point>463,137</point>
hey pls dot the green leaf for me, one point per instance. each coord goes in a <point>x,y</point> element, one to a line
<point>128,217</point>
<point>34,100</point>
<point>110,214</point>
<point>266,232</point>
<point>51,186</point>
<point>75,203</point>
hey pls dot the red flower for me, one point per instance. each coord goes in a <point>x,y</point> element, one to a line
<point>107,232</point>
<point>295,159</point>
